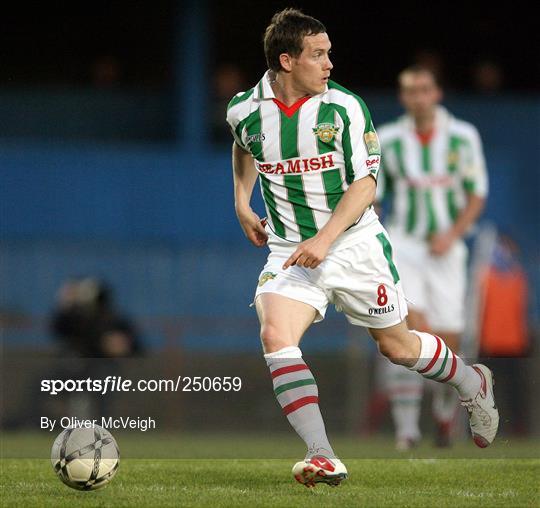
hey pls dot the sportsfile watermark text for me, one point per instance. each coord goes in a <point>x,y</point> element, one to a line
<point>118,384</point>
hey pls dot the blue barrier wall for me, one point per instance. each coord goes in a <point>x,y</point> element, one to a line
<point>126,193</point>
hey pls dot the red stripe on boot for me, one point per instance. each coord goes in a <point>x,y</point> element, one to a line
<point>289,369</point>
<point>435,358</point>
<point>297,404</point>
<point>452,370</point>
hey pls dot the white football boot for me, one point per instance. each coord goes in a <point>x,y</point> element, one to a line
<point>319,469</point>
<point>483,413</point>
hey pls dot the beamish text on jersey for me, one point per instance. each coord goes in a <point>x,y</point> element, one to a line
<point>296,165</point>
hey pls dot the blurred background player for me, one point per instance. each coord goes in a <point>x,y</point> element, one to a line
<point>435,175</point>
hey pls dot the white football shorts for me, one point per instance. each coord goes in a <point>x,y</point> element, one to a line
<point>361,280</point>
<point>434,285</point>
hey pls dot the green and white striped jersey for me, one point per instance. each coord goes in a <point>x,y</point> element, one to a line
<point>429,182</point>
<point>307,155</point>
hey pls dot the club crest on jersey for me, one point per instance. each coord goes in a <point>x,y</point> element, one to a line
<point>325,132</point>
<point>372,143</point>
<point>453,157</point>
<point>265,277</point>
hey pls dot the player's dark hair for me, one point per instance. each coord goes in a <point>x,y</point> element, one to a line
<point>419,69</point>
<point>285,34</point>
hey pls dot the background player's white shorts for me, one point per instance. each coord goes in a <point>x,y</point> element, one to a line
<point>433,285</point>
<point>360,280</point>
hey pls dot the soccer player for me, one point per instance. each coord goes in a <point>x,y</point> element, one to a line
<point>313,145</point>
<point>434,172</point>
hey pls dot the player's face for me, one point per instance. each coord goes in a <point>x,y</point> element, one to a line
<point>311,70</point>
<point>419,94</point>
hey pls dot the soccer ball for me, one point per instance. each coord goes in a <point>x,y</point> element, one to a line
<point>85,459</point>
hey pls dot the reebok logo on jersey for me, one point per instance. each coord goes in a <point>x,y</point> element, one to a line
<point>296,165</point>
<point>325,132</point>
<point>372,164</point>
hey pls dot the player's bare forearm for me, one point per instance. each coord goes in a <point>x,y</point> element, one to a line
<point>245,176</point>
<point>351,206</point>
<point>441,242</point>
<point>310,253</point>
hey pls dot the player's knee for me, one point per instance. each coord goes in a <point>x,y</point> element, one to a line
<point>392,349</point>
<point>273,339</point>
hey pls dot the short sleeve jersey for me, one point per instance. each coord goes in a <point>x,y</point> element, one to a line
<point>428,182</point>
<point>306,155</point>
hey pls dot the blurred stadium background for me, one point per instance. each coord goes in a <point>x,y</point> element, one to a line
<point>115,164</point>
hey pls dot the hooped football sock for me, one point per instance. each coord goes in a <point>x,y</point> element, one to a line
<point>438,362</point>
<point>296,391</point>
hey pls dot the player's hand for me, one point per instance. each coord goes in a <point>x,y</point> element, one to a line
<point>310,253</point>
<point>440,243</point>
<point>253,227</point>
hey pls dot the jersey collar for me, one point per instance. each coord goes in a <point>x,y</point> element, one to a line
<point>263,89</point>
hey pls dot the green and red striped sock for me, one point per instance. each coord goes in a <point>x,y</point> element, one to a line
<point>438,362</point>
<point>296,391</point>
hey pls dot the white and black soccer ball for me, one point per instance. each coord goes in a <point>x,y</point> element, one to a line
<point>85,459</point>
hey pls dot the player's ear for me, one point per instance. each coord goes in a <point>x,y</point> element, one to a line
<point>286,62</point>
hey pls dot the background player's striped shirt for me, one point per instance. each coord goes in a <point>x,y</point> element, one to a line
<point>306,155</point>
<point>429,182</point>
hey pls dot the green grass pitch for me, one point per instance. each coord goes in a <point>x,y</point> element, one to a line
<point>423,478</point>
